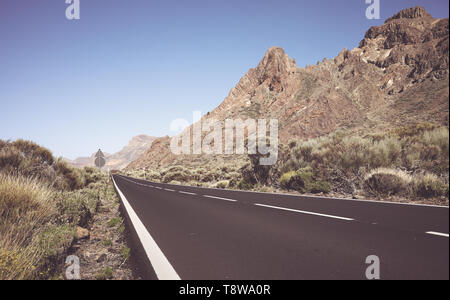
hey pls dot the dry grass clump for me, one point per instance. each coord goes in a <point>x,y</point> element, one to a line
<point>41,202</point>
<point>37,225</point>
<point>24,205</point>
<point>29,241</point>
<point>387,182</point>
<point>222,184</point>
<point>429,185</point>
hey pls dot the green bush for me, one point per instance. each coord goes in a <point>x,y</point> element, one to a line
<point>126,253</point>
<point>222,184</point>
<point>245,185</point>
<point>114,222</point>
<point>304,181</point>
<point>180,176</point>
<point>105,274</point>
<point>285,180</point>
<point>77,207</point>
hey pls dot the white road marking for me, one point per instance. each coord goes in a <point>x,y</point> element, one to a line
<point>187,193</point>
<point>315,197</point>
<point>169,190</point>
<point>305,212</point>
<point>438,233</point>
<point>159,188</point>
<point>220,198</point>
<point>163,269</point>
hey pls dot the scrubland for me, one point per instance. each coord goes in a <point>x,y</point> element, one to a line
<point>408,164</point>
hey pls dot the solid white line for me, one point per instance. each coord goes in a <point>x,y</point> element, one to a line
<point>305,212</point>
<point>220,198</point>
<point>161,265</point>
<point>187,193</point>
<point>438,233</point>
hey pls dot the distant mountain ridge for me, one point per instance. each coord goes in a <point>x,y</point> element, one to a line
<point>117,161</point>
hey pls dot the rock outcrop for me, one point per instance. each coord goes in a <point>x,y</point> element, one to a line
<point>398,75</point>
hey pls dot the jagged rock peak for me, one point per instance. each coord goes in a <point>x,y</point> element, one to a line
<point>275,65</point>
<point>277,60</point>
<point>410,13</point>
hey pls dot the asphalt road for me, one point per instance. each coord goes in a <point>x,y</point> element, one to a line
<point>208,234</point>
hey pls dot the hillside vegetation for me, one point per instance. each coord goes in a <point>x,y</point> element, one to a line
<point>407,164</point>
<point>371,122</point>
<point>42,201</point>
<point>412,162</point>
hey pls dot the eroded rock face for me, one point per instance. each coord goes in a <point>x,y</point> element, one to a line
<point>397,75</point>
<point>411,13</point>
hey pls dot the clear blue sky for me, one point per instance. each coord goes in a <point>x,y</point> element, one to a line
<point>130,67</point>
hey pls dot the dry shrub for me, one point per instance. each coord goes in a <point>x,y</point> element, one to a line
<point>429,185</point>
<point>387,182</point>
<point>222,184</point>
<point>304,181</point>
<point>25,207</point>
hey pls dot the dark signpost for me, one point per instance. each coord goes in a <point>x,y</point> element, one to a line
<point>100,160</point>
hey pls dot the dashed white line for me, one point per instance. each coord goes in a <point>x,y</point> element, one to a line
<point>187,193</point>
<point>305,212</point>
<point>169,190</point>
<point>220,198</point>
<point>163,269</point>
<point>437,233</point>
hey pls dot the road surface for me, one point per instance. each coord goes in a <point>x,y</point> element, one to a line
<point>208,234</point>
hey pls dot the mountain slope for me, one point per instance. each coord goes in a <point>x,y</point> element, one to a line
<point>117,161</point>
<point>398,75</point>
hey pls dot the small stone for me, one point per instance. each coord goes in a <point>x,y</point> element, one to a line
<point>82,233</point>
<point>101,258</point>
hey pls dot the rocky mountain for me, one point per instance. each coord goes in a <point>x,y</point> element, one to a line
<point>398,75</point>
<point>117,161</point>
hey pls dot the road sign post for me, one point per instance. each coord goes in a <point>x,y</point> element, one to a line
<point>100,160</point>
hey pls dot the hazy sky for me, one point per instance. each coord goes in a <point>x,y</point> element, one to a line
<point>130,67</point>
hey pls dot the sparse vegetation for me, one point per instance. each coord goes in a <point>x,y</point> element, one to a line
<point>222,184</point>
<point>387,182</point>
<point>383,164</point>
<point>114,222</point>
<point>304,181</point>
<point>410,162</point>
<point>126,253</point>
<point>429,185</point>
<point>42,200</point>
<point>105,274</point>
